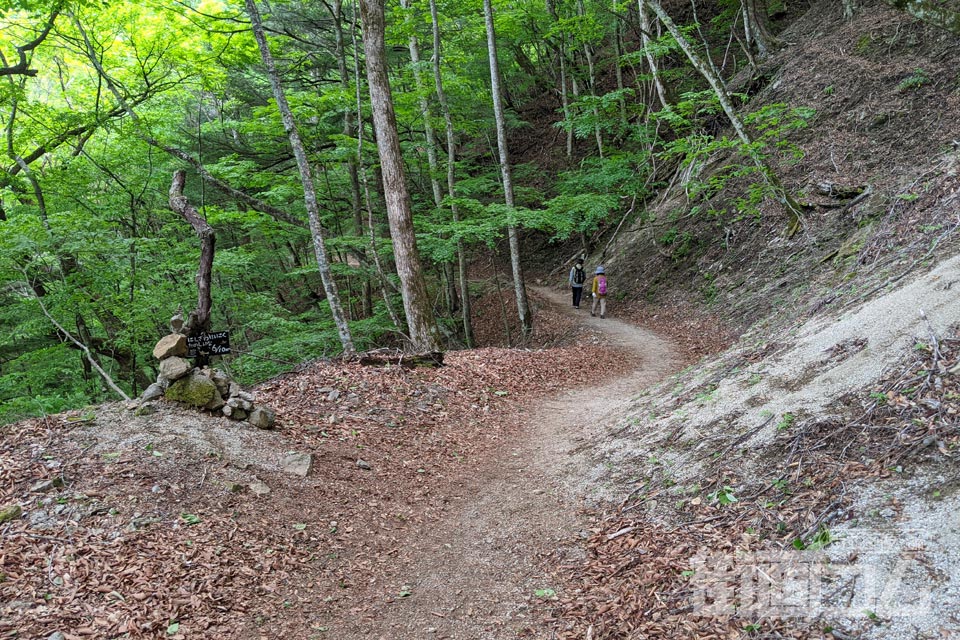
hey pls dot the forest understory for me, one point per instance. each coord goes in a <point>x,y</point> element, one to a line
<point>758,441</point>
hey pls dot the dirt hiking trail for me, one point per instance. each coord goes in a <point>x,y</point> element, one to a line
<point>475,575</point>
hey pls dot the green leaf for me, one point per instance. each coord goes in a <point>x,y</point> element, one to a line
<point>173,628</point>
<point>190,519</point>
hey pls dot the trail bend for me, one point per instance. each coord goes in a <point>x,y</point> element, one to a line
<point>475,574</point>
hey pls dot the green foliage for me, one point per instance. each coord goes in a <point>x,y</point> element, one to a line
<point>680,243</point>
<point>822,538</point>
<point>742,166</point>
<point>723,497</point>
<point>915,80</point>
<point>786,421</point>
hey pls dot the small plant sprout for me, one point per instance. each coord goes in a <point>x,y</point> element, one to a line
<point>915,80</point>
<point>723,497</point>
<point>786,421</point>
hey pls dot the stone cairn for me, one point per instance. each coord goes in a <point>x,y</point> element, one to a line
<point>203,388</point>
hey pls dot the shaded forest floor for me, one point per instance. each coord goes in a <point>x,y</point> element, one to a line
<point>497,497</point>
<point>433,502</point>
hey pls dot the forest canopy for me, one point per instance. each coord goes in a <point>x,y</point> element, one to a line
<point>102,102</point>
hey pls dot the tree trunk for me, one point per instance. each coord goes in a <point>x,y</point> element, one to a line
<point>564,97</point>
<point>523,307</point>
<point>426,113</point>
<point>424,334</point>
<point>362,175</point>
<point>349,130</point>
<point>756,26</point>
<point>618,51</point>
<point>465,310</point>
<point>720,89</point>
<point>645,34</point>
<point>306,178</point>
<point>200,317</point>
<point>592,86</point>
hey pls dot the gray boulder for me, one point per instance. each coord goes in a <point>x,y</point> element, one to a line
<point>217,403</point>
<point>262,417</point>
<point>175,368</point>
<point>298,464</point>
<point>152,392</point>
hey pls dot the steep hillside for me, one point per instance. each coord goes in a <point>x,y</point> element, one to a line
<point>877,173</point>
<point>803,482</point>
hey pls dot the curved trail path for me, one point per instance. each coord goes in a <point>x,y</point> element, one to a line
<point>474,575</point>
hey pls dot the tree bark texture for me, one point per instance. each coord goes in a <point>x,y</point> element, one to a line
<point>199,318</point>
<point>430,140</point>
<point>306,178</point>
<point>757,26</point>
<point>421,323</point>
<point>523,307</point>
<point>645,34</point>
<point>356,206</point>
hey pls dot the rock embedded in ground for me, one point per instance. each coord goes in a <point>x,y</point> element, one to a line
<point>171,345</point>
<point>47,485</point>
<point>258,487</point>
<point>262,417</point>
<point>298,464</point>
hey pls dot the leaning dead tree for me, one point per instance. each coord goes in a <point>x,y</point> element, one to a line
<point>199,319</point>
<point>69,336</point>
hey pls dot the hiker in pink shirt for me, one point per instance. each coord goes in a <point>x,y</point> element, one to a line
<point>599,292</point>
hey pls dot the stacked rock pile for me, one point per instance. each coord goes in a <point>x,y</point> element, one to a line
<point>204,388</point>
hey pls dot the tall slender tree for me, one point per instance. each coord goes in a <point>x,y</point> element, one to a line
<point>306,178</point>
<point>720,90</point>
<point>519,287</point>
<point>349,129</point>
<point>421,323</point>
<point>465,305</point>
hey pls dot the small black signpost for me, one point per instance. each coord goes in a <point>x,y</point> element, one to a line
<point>208,344</point>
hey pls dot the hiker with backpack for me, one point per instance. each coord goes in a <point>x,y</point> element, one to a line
<point>577,277</point>
<point>599,290</point>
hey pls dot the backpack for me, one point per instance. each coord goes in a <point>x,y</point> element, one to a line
<point>579,275</point>
<point>602,285</point>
